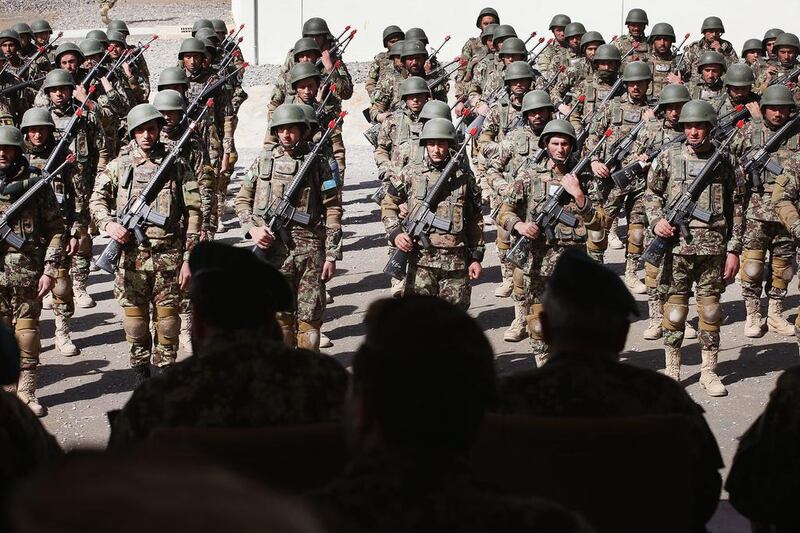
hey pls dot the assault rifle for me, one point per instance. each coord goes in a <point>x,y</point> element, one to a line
<point>619,151</point>
<point>757,160</point>
<point>88,80</point>
<point>584,132</point>
<point>41,50</point>
<point>684,207</point>
<point>422,219</point>
<point>636,169</point>
<point>282,213</point>
<point>436,52</point>
<point>551,213</point>
<point>137,213</point>
<point>61,150</point>
<point>340,45</point>
<point>19,86</point>
<point>209,89</point>
<point>230,39</point>
<point>136,52</point>
<point>786,77</point>
<point>729,122</point>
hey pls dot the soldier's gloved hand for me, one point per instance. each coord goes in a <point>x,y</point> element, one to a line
<point>328,270</point>
<point>261,237</point>
<point>664,229</point>
<point>185,276</point>
<point>118,232</point>
<point>46,284</point>
<point>403,242</point>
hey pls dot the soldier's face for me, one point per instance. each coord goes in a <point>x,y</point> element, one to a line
<point>486,20</point>
<point>712,35</point>
<point>672,112</point>
<point>769,45</point>
<point>637,89</point>
<point>711,74</point>
<point>589,50</point>
<point>574,42</point>
<point>662,45</point>
<point>7,156</point>
<point>147,135</point>
<point>437,149</point>
<point>25,40</point>
<point>558,33</point>
<point>193,61</point>
<point>115,50</point>
<point>777,115</point>
<point>787,54</point>
<point>289,135</point>
<point>416,102</point>
<point>414,64</point>
<point>398,63</point>
<point>390,41</point>
<point>519,87</point>
<point>172,118</point>
<point>559,147</point>
<point>636,29</point>
<point>751,56</point>
<point>490,44</point>
<point>537,118</point>
<point>738,94</point>
<point>309,56</point>
<point>60,95</point>
<point>696,133</point>
<point>608,66</point>
<point>510,58</point>
<point>91,61</point>
<point>307,89</point>
<point>69,62</point>
<point>38,135</point>
<point>9,48</point>
<point>42,37</point>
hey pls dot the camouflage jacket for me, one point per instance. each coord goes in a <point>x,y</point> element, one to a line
<point>661,67</point>
<point>179,199</point>
<point>696,49</point>
<point>472,53</point>
<point>761,82</point>
<point>553,55</point>
<point>670,174</point>
<point>264,183</point>
<point>389,491</point>
<point>571,77</point>
<point>656,133</point>
<point>714,94</point>
<point>726,105</point>
<point>786,198</point>
<point>487,78</point>
<point>627,41</point>
<point>504,116</point>
<point>89,144</point>
<point>386,96</point>
<point>39,223</point>
<point>381,63</point>
<point>74,210</point>
<point>759,67</point>
<point>398,141</point>
<point>341,77</point>
<point>223,113</point>
<point>517,149</point>
<point>461,205</point>
<point>594,89</point>
<point>239,379</point>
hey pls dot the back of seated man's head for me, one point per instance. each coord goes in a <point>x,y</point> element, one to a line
<point>9,357</point>
<point>233,290</point>
<point>587,307</point>
<point>422,379</point>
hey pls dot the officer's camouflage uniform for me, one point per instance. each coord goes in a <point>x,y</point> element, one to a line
<point>302,259</point>
<point>442,269</point>
<point>781,69</point>
<point>398,141</point>
<point>594,89</point>
<point>148,272</point>
<point>786,202</point>
<point>696,49</point>
<point>530,189</point>
<point>288,387</point>
<point>641,46</point>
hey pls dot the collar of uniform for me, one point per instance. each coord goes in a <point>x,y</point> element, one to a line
<point>63,110</point>
<point>298,152</point>
<point>43,149</point>
<point>708,148</point>
<point>138,156</point>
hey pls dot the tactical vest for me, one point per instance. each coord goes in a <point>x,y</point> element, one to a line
<point>80,142</point>
<point>785,156</point>
<point>451,206</point>
<point>541,185</point>
<point>702,91</point>
<point>624,117</point>
<point>660,68</point>
<point>683,172</point>
<point>596,91</point>
<point>27,224</point>
<point>64,194</point>
<point>407,140</point>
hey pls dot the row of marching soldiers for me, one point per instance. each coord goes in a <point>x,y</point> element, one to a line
<point>75,117</point>
<point>581,133</point>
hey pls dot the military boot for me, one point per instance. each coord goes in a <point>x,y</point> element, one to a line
<point>672,362</point>
<point>631,279</point>
<point>397,287</point>
<point>518,329</point>
<point>26,391</point>
<point>654,329</point>
<point>504,289</point>
<point>81,298</point>
<point>63,341</point>
<point>308,337</point>
<point>775,320</point>
<point>708,376</point>
<point>47,301</point>
<point>613,237</point>
<point>221,213</point>
<point>752,324</point>
<point>689,331</point>
<point>185,337</point>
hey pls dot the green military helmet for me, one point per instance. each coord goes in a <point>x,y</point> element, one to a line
<point>557,127</point>
<point>142,114</point>
<point>303,71</point>
<point>67,48</point>
<point>536,99</point>
<point>488,32</point>
<point>117,37</point>
<point>607,52</point>
<point>787,39</point>
<point>574,29</point>
<point>437,129</point>
<point>10,136</point>
<point>91,47</point>
<point>559,21</point>
<point>416,34</point>
<point>591,37</point>
<point>751,45</point>
<point>771,33</point>
<point>777,95</point>
<point>191,46</point>
<point>41,26</point>
<point>316,26</point>
<point>662,29</point>
<point>504,31</point>
<point>219,25</point>
<point>513,45</point>
<point>698,111</point>
<point>207,34</point>
<point>169,100</point>
<point>435,109</point>
<point>172,76</point>
<point>9,35</point>
<point>413,48</point>
<point>674,93</point>
<point>739,75</point>
<point>36,116</point>
<point>58,77</point>
<point>397,49</point>
<point>201,23</point>
<point>637,16</point>
<point>711,57</point>
<point>286,114</point>
<point>637,71</point>
<point>414,85</point>
<point>310,114</point>
<point>98,35</point>
<point>211,47</point>
<point>118,25</point>
<point>305,44</point>
<point>518,70</point>
<point>487,11</point>
<point>712,23</point>
<point>392,31</point>
<point>22,29</point>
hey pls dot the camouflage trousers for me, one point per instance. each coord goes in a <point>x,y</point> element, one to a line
<point>759,238</point>
<point>149,277</point>
<point>679,273</point>
<point>616,200</point>
<point>19,303</point>
<point>302,268</point>
<point>82,259</point>
<point>441,273</point>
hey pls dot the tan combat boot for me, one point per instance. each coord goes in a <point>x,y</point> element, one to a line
<point>708,376</point>
<point>672,363</point>
<point>81,298</point>
<point>613,237</point>
<point>775,320</point>
<point>518,329</point>
<point>752,324</point>
<point>26,391</point>
<point>504,289</point>
<point>63,342</point>
<point>185,337</point>
<point>689,332</point>
<point>631,279</point>
<point>397,287</point>
<point>654,329</point>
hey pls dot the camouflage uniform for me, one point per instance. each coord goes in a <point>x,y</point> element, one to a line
<point>593,89</point>
<point>530,189</point>
<point>302,259</point>
<point>288,387</point>
<point>726,105</point>
<point>661,67</point>
<point>786,202</point>
<point>381,64</point>
<point>472,53</point>
<point>624,44</point>
<point>21,100</point>
<point>696,49</point>
<point>398,143</point>
<point>488,78</point>
<point>761,83</point>
<point>442,269</point>
<point>576,73</point>
<point>148,272</point>
<point>554,54</point>
<point>386,95</point>
<point>714,94</point>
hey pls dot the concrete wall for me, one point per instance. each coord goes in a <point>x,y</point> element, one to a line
<point>274,25</point>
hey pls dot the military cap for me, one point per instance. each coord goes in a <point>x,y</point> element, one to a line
<point>673,93</point>
<point>711,57</point>
<point>397,49</point>
<point>219,25</point>
<point>607,52</point>
<point>306,44</point>
<point>662,29</point>
<point>438,129</point>
<point>772,33</point>
<point>414,85</point>
<point>777,95</point>
<point>10,136</point>
<point>488,32</point>
<point>739,75</point>
<point>698,111</point>
<point>638,71</point>
<point>712,23</point>
<point>536,99</point>
<point>559,21</point>
<point>637,16</point>
<point>58,77</point>
<point>201,23</point>
<point>98,35</point>
<point>191,46</point>
<point>435,109</point>
<point>392,31</point>
<point>316,26</point>
<point>172,76</point>
<point>513,45</point>
<point>117,37</point>
<point>169,100</point>
<point>41,26</point>
<point>36,116</point>
<point>286,114</point>
<point>416,34</point>
<point>22,29</point>
<point>67,47</point>
<point>787,39</point>
<point>487,11</point>
<point>9,357</point>
<point>118,25</point>
<point>142,114</point>
<point>413,48</point>
<point>9,35</point>
<point>591,37</point>
<point>504,31</point>
<point>303,71</point>
<point>91,47</point>
<point>750,45</point>
<point>574,29</point>
<point>557,127</point>
<point>518,70</point>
